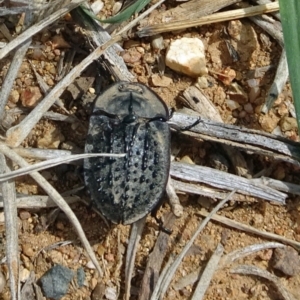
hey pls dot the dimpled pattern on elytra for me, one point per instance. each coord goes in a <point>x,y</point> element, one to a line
<point>126,189</point>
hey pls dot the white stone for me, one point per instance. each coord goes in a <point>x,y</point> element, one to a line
<point>187,56</point>
<point>97,6</point>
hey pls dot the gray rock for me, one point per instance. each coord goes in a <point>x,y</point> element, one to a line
<point>80,277</point>
<point>286,260</point>
<point>55,282</point>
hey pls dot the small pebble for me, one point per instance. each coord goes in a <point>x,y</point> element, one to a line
<point>186,159</point>
<point>55,282</point>
<point>90,265</point>
<point>14,96</point>
<point>80,277</point>
<point>157,42</point>
<point>97,6</point>
<point>248,108</point>
<point>288,123</point>
<point>50,82</point>
<point>24,215</point>
<point>286,260</point>
<point>268,122</point>
<point>140,50</point>
<point>111,293</point>
<point>59,42</point>
<point>231,104</point>
<point>60,225</point>
<point>2,282</point>
<point>202,82</point>
<point>27,250</point>
<point>100,250</point>
<point>99,291</point>
<point>38,54</point>
<point>24,274</point>
<point>161,81</point>
<point>51,139</point>
<point>131,56</point>
<point>30,96</point>
<point>242,114</point>
<point>187,56</point>
<point>110,257</point>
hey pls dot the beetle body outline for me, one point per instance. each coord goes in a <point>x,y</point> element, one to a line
<point>128,118</point>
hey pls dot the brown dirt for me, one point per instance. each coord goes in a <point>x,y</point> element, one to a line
<point>256,50</point>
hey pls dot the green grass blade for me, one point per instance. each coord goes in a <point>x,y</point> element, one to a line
<point>124,15</point>
<point>290,18</point>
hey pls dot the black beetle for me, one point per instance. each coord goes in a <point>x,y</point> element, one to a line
<point>128,118</point>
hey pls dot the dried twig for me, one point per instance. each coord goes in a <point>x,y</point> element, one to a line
<point>252,230</point>
<point>253,270</point>
<point>214,18</point>
<point>224,181</point>
<point>52,163</point>
<point>12,74</point>
<point>39,201</point>
<point>135,236</point>
<point>156,259</point>
<point>279,185</point>
<point>240,253</point>
<point>251,140</point>
<point>208,273</point>
<point>10,212</point>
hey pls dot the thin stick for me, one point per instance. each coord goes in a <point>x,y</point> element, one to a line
<point>252,230</point>
<point>10,211</point>
<point>11,75</point>
<point>214,18</point>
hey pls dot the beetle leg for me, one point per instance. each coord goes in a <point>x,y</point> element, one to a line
<point>176,207</point>
<point>191,126</point>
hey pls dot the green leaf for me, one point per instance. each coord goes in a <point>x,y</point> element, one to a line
<point>290,19</point>
<point>124,15</point>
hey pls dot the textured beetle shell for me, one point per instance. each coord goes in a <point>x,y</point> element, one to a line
<point>128,118</point>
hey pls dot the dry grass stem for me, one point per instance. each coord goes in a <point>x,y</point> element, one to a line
<point>41,154</point>
<point>52,163</point>
<point>255,271</point>
<point>135,236</point>
<point>243,252</point>
<point>39,201</point>
<point>224,181</point>
<point>277,86</point>
<point>11,75</point>
<point>279,185</point>
<point>11,230</point>
<point>252,230</point>
<point>208,273</point>
<point>156,259</point>
<point>255,141</point>
<point>214,18</point>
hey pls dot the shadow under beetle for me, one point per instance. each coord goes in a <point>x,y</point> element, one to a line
<point>128,118</point>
